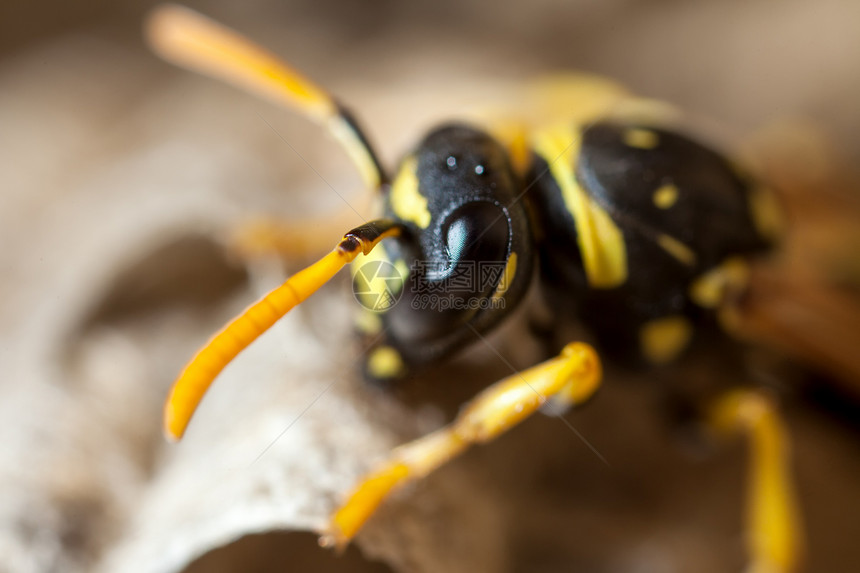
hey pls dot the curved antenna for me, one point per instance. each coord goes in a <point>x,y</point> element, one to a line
<point>193,41</point>
<point>225,345</point>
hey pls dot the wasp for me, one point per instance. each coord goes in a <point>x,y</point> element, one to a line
<point>632,228</point>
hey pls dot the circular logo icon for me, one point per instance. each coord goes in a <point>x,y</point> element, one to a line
<point>377,285</point>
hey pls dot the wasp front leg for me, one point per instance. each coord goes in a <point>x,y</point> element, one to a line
<point>774,537</point>
<point>572,377</point>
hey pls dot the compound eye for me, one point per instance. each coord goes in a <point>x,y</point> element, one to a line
<point>442,299</point>
<point>477,233</point>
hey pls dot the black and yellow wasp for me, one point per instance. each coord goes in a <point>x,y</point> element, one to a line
<point>635,230</point>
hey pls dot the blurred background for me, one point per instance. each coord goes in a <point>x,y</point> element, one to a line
<point>121,173</point>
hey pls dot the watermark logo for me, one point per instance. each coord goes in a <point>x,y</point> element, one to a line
<point>441,303</point>
<point>377,285</point>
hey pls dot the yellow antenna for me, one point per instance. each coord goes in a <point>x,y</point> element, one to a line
<point>222,348</point>
<point>193,41</point>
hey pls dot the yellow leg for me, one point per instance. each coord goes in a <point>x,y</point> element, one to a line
<point>573,376</point>
<point>773,521</point>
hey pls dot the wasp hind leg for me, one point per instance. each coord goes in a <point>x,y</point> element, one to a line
<point>774,537</point>
<point>572,377</point>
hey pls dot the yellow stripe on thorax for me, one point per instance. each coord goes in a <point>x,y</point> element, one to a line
<point>601,242</point>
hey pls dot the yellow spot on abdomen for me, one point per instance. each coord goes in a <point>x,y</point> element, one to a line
<point>406,199</point>
<point>766,213</point>
<point>720,283</point>
<point>665,196</point>
<point>641,138</point>
<point>663,339</point>
<point>385,362</point>
<point>677,249</point>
